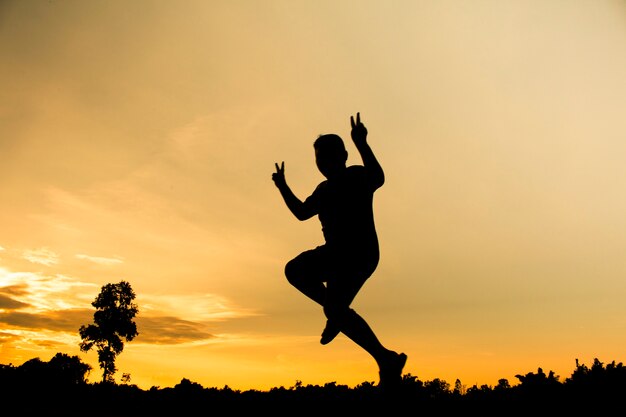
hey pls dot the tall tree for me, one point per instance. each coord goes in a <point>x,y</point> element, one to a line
<point>113,320</point>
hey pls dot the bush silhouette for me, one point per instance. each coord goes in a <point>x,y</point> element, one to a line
<point>60,387</point>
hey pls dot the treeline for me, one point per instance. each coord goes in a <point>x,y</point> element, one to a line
<point>60,388</point>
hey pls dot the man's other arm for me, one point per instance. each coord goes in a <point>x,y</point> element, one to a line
<point>299,209</point>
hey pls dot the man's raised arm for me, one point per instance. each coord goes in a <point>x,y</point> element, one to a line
<point>371,164</point>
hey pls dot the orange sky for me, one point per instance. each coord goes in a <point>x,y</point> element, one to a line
<point>138,139</point>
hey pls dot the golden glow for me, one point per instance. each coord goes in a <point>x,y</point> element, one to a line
<point>137,142</point>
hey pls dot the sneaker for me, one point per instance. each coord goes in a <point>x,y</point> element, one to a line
<point>391,372</point>
<point>330,332</point>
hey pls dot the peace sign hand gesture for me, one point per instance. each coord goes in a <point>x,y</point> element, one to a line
<point>279,176</point>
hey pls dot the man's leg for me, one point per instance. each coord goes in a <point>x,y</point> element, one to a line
<point>304,272</point>
<point>355,327</point>
<point>339,295</point>
<point>390,363</point>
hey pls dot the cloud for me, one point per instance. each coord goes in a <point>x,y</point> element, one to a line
<point>41,310</point>
<point>159,330</point>
<point>43,256</point>
<point>8,303</point>
<point>42,293</point>
<point>58,321</point>
<point>170,330</point>
<point>7,337</point>
<point>25,340</point>
<point>201,307</point>
<point>100,260</point>
<point>17,289</point>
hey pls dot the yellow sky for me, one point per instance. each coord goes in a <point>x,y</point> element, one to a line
<point>138,139</point>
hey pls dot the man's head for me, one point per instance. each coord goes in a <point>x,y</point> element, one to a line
<point>330,154</point>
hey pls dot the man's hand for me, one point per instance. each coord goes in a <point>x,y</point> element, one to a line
<point>359,132</point>
<point>279,176</point>
<point>359,137</point>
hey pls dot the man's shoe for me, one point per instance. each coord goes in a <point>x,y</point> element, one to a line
<point>391,372</point>
<point>330,332</point>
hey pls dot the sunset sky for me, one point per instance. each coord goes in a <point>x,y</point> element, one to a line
<point>138,139</point>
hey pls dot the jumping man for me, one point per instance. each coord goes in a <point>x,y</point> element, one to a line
<point>332,274</point>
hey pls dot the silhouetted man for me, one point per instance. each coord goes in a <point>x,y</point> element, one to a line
<point>332,274</point>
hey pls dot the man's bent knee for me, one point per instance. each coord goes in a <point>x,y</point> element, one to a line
<point>291,272</point>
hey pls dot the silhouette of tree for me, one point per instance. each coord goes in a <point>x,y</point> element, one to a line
<point>61,373</point>
<point>125,378</point>
<point>437,388</point>
<point>599,381</point>
<point>459,388</point>
<point>68,369</point>
<point>113,320</point>
<point>538,379</point>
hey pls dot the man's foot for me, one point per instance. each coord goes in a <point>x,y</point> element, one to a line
<point>391,370</point>
<point>330,332</point>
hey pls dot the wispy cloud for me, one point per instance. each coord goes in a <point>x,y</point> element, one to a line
<point>8,303</point>
<point>100,260</point>
<point>200,307</point>
<point>38,340</point>
<point>43,256</point>
<point>40,293</point>
<point>57,321</point>
<point>170,330</point>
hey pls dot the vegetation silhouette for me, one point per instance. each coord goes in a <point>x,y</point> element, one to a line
<point>113,320</point>
<point>60,388</point>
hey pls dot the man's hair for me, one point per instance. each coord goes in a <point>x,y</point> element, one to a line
<point>329,142</point>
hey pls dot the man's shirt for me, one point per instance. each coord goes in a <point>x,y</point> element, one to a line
<point>344,206</point>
